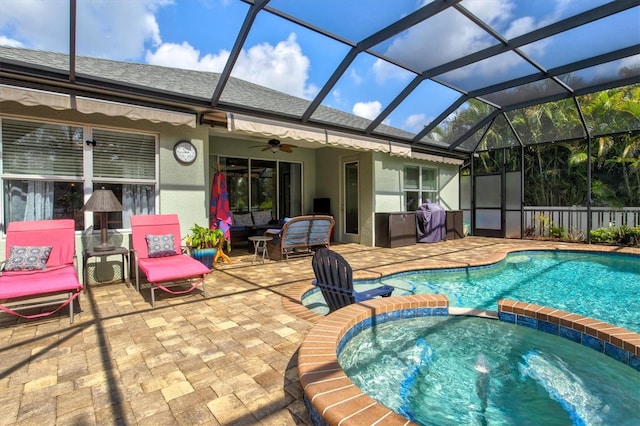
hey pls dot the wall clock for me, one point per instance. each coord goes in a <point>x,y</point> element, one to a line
<point>185,152</point>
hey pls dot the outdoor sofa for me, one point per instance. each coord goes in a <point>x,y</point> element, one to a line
<point>300,235</point>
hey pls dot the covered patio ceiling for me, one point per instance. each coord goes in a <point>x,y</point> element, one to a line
<point>447,69</point>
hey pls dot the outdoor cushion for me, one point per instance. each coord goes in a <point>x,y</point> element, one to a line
<point>27,258</point>
<point>167,271</point>
<point>242,219</point>
<point>34,283</point>
<point>57,283</point>
<point>171,268</point>
<point>261,218</point>
<point>161,245</point>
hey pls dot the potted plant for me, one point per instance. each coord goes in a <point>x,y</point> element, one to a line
<point>207,245</point>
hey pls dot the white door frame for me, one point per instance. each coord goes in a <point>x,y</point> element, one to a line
<point>344,236</point>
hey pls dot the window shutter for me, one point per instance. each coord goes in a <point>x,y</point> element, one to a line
<point>41,149</point>
<point>123,155</point>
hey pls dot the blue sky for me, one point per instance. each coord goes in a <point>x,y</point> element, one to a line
<point>198,34</point>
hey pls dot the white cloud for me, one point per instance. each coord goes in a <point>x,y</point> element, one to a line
<point>186,57</point>
<point>128,30</point>
<point>449,35</point>
<point>415,123</point>
<point>355,77</point>
<point>5,41</point>
<point>108,29</point>
<point>368,110</point>
<point>337,96</point>
<point>282,67</point>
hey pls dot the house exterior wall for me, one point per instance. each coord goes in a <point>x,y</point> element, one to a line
<point>185,189</point>
<point>387,183</point>
<point>222,144</point>
<point>182,189</point>
<point>388,172</point>
<point>330,181</point>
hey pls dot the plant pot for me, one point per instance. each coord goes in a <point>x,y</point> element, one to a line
<point>205,256</point>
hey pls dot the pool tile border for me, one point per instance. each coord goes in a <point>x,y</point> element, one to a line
<point>616,342</point>
<point>331,397</point>
<point>324,378</point>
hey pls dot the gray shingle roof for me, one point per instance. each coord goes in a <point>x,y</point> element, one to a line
<point>197,86</point>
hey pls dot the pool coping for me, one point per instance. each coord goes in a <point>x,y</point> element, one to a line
<point>333,399</point>
<point>336,395</point>
<point>292,298</point>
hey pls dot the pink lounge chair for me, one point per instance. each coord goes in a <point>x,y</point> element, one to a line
<point>56,284</point>
<point>168,268</point>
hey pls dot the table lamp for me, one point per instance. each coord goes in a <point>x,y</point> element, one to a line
<point>103,201</point>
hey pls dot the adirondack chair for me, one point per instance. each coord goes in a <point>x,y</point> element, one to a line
<point>158,254</point>
<point>41,268</point>
<point>334,277</point>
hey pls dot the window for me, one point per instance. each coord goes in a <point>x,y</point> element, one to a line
<point>263,185</point>
<point>420,184</point>
<point>125,163</point>
<point>46,170</point>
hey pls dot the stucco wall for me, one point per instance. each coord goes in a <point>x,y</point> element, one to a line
<point>182,189</point>
<point>185,189</point>
<point>388,172</point>
<point>226,146</point>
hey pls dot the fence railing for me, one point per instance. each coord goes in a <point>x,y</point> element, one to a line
<point>575,219</point>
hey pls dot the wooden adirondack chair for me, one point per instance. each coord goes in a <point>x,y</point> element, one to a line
<point>334,277</point>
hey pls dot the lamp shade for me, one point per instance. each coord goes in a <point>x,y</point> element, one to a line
<point>103,200</point>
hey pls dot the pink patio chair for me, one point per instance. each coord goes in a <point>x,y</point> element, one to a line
<point>29,278</point>
<point>157,252</point>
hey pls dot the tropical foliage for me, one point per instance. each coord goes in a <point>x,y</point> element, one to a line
<point>200,237</point>
<point>557,153</point>
<point>623,235</point>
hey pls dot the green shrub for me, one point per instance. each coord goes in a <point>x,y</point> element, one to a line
<point>623,235</point>
<point>556,231</point>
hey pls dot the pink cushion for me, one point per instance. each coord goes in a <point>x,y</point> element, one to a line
<point>169,268</point>
<point>58,233</point>
<point>31,283</point>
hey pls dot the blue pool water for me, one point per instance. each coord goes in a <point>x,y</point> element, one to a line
<point>597,285</point>
<point>466,370</point>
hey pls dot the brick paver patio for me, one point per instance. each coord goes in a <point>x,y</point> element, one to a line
<point>229,359</point>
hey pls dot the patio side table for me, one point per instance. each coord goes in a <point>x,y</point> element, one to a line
<point>89,253</point>
<point>260,247</point>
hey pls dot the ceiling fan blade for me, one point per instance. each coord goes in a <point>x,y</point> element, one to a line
<point>266,148</point>
<point>286,148</point>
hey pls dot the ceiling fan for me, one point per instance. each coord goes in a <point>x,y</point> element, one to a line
<point>275,145</point>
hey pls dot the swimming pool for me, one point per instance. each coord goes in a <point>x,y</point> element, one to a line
<point>597,285</point>
<point>465,370</point>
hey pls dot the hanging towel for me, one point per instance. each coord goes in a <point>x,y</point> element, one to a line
<point>219,212</point>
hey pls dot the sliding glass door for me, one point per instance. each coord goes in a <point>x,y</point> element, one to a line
<point>351,202</point>
<point>256,185</point>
